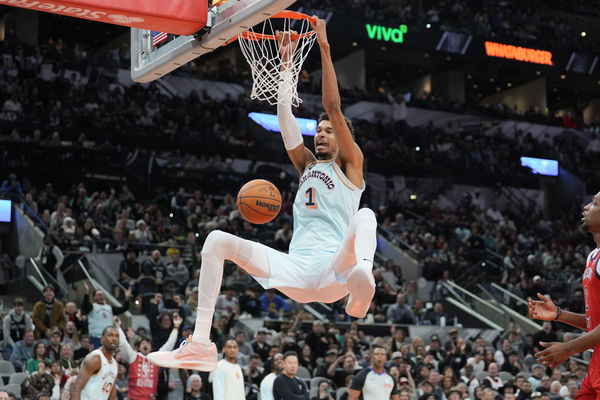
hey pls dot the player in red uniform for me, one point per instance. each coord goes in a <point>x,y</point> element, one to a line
<point>556,353</point>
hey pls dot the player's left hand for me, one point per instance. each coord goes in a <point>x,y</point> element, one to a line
<point>319,27</point>
<point>555,354</point>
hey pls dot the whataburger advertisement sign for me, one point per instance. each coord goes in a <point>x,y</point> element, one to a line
<point>510,52</point>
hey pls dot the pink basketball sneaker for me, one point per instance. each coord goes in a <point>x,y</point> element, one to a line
<point>361,286</point>
<point>190,355</point>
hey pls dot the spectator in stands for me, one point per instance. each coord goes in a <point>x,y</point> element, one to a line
<point>143,375</point>
<point>99,314</point>
<point>161,324</point>
<point>193,389</point>
<point>287,386</point>
<point>331,356</point>
<point>85,347</point>
<point>537,372</point>
<point>228,303</point>
<point>253,372</point>
<point>249,302</point>
<point>142,232</point>
<point>283,236</point>
<point>4,395</point>
<point>50,257</point>
<point>39,356</point>
<point>48,313</point>
<point>177,270</point>
<point>53,349</point>
<point>399,312</point>
<point>14,326</point>
<point>338,373</point>
<point>154,267</point>
<point>512,364</point>
<point>493,380</point>
<point>23,351</point>
<point>273,305</point>
<point>129,270</point>
<point>266,385</point>
<point>324,392</point>
<point>260,345</point>
<point>436,315</point>
<point>66,359</point>
<point>74,315</point>
<point>243,346</point>
<point>11,187</point>
<point>546,335</point>
<point>317,339</point>
<point>228,379</point>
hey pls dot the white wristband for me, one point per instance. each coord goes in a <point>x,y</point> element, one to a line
<point>290,131</point>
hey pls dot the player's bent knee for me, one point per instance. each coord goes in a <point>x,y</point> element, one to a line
<point>214,241</point>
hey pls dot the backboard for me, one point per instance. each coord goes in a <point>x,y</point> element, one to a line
<point>224,22</point>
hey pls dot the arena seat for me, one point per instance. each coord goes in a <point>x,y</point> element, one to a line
<point>17,378</point>
<point>6,370</point>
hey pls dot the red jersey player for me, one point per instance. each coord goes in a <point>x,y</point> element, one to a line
<point>556,353</point>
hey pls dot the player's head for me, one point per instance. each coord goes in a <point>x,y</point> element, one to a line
<point>110,338</point>
<point>326,145</point>
<point>230,350</point>
<point>591,215</point>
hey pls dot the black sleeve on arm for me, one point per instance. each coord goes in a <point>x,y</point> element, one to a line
<point>359,380</point>
<point>394,387</point>
<point>86,306</point>
<point>281,390</point>
<point>122,309</point>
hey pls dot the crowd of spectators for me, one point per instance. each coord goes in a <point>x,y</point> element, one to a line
<point>427,368</point>
<point>160,238</point>
<point>554,25</point>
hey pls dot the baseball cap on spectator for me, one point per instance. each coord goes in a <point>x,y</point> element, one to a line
<point>426,383</point>
<point>171,251</point>
<point>537,278</point>
<point>536,394</point>
<point>185,328</point>
<point>455,390</point>
<point>453,330</point>
<point>55,331</point>
<point>331,353</point>
<point>396,354</point>
<point>403,380</point>
<point>435,338</point>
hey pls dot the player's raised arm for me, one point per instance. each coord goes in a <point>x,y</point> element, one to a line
<point>349,151</point>
<point>91,365</point>
<point>290,131</point>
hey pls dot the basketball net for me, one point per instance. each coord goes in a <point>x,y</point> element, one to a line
<point>261,50</point>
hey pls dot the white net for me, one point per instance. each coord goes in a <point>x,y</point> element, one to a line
<point>262,51</point>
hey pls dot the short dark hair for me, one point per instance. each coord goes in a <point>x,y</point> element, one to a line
<point>49,286</point>
<point>289,354</point>
<point>106,329</point>
<point>324,117</point>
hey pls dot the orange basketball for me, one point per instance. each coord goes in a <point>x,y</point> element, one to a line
<point>259,201</point>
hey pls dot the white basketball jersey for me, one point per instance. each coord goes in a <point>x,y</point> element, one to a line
<point>325,202</point>
<point>101,383</point>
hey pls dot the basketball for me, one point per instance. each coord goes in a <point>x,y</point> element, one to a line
<point>259,201</point>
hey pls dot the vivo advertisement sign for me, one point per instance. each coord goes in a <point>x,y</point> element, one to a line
<point>541,166</point>
<point>308,127</point>
<point>5,208</point>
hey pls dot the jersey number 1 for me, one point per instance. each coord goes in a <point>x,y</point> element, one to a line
<point>311,194</point>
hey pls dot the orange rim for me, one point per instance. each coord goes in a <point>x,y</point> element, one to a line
<point>282,14</point>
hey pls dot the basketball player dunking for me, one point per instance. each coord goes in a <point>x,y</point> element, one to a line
<point>97,374</point>
<point>333,244</point>
<point>556,353</point>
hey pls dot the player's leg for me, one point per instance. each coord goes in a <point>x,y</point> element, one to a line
<point>200,353</point>
<point>357,251</point>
